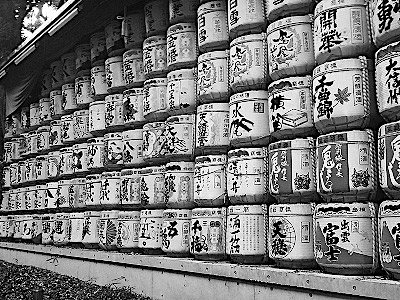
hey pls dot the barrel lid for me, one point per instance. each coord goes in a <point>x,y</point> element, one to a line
<point>243,153</point>
<point>113,135</point>
<point>151,213</point>
<point>288,22</point>
<point>81,112</point>
<point>334,4</point>
<point>43,100</point>
<point>82,78</point>
<point>133,91</point>
<point>213,107</point>
<point>155,82</point>
<point>281,85</point>
<point>247,209</point>
<point>105,214</point>
<point>248,38</point>
<point>183,119</point>
<point>133,54</point>
<point>173,214</point>
<point>55,92</point>
<point>100,68</point>
<point>290,209</point>
<point>249,96</point>
<point>135,134</point>
<point>129,215</point>
<point>52,185</point>
<point>345,209</point>
<point>67,117</point>
<point>113,97</point>
<point>181,166</point>
<point>76,215</point>
<point>181,74</point>
<point>34,105</point>
<point>391,50</point>
<point>154,41</point>
<point>91,213</point>
<point>339,65</point>
<point>68,86</point>
<point>388,129</point>
<point>181,27</point>
<point>211,6</point>
<point>128,172</point>
<point>208,212</point>
<point>300,143</point>
<point>221,54</point>
<point>97,102</point>
<point>346,136</point>
<point>210,160</point>
<point>113,59</point>
<point>111,174</point>
<point>389,208</point>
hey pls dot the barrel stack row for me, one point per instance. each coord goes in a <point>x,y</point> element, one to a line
<point>217,110</point>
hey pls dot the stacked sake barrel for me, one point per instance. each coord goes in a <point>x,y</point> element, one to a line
<point>386,34</point>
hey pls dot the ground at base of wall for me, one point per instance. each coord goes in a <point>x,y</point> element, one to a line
<point>18,282</point>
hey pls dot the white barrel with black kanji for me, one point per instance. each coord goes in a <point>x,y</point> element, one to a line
<point>114,39</point>
<point>134,28</point>
<point>65,194</point>
<point>55,138</point>
<point>25,119</point>
<point>278,9</point>
<point>34,117</point>
<point>68,103</point>
<point>61,229</point>
<point>97,120</point>
<point>90,234</point>
<point>48,228</point>
<point>107,227</point>
<point>155,99</point>
<point>182,11</point>
<point>83,59</point>
<point>56,104</point>
<point>51,195</point>
<point>98,82</point>
<point>130,188</point>
<point>132,141</point>
<point>69,66</point>
<point>113,148</point>
<point>156,17</point>
<point>182,48</point>
<point>246,17</point>
<point>150,237</point>
<point>110,189</point>
<point>67,129</point>
<point>114,116</point>
<point>43,139</point>
<point>128,230</point>
<point>76,227</point>
<point>180,137</point>
<point>154,141</point>
<point>93,190</point>
<point>176,232</point>
<point>44,111</point>
<point>66,162</point>
<point>95,155</point>
<point>179,185</point>
<point>114,74</point>
<point>152,187</point>
<point>385,22</point>
<point>133,68</point>
<point>133,107</point>
<point>83,91</point>
<point>155,56</point>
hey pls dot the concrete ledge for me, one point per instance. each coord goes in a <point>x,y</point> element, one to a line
<point>309,282</point>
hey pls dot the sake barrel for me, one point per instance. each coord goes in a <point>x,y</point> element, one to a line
<point>212,77</point>
<point>208,233</point>
<point>290,108</point>
<point>61,229</point>
<point>182,48</point>
<point>248,67</point>
<point>81,125</point>
<point>133,69</point>
<point>69,66</point>
<point>278,9</point>
<point>93,190</point>
<point>245,17</point>
<point>292,173</point>
<point>384,22</point>
<point>180,139</point>
<point>4,200</point>
<point>290,235</point>
<point>212,26</point>
<point>30,197</point>
<point>347,166</point>
<point>90,235</point>
<point>98,82</point>
<point>56,104</point>
<point>132,147</point>
<point>34,115</point>
<point>6,177</point>
<point>13,150</point>
<point>155,56</point>
<point>16,124</point>
<point>57,77</point>
<point>181,92</point>
<point>48,229</point>
<point>389,158</point>
<point>154,141</point>
<point>25,119</point>
<point>11,200</point>
<point>98,51</point>
<point>67,129</point>
<point>343,95</point>
<point>32,142</point>
<point>247,176</point>
<point>30,170</point>
<point>128,231</point>
<point>345,238</point>
<point>17,147</point>
<point>76,221</point>
<point>27,221</point>
<point>18,200</point>
<point>18,227</point>
<point>8,127</point>
<point>24,148</point>
<point>387,90</point>
<point>53,164</point>
<point>41,167</point>
<point>182,11</point>
<point>175,232</point>
<point>44,111</point>
<point>8,152</point>
<point>246,234</point>
<point>290,47</point>
<point>152,187</point>
<point>14,174</point>
<point>97,122</point>
<point>210,180</point>
<point>388,217</point>
<point>65,194</point>
<point>83,59</point>
<point>23,196</point>
<point>110,189</point>
<point>80,158</point>
<point>3,227</point>
<point>130,188</point>
<point>66,162</point>
<point>156,17</point>
<point>45,83</point>
<point>43,139</point>
<point>51,195</point>
<point>133,107</point>
<point>341,29</point>
<point>95,154</point>
<point>150,237</point>
<point>39,201</point>
<point>114,74</point>
<point>83,91</point>
<point>55,137</point>
<point>113,148</point>
<point>107,227</point>
<point>10,226</point>
<point>155,99</point>
<point>69,98</point>
<point>21,172</point>
<point>179,185</point>
<point>248,112</point>
<point>133,28</point>
<point>212,128</point>
<point>114,116</point>
<point>37,229</point>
